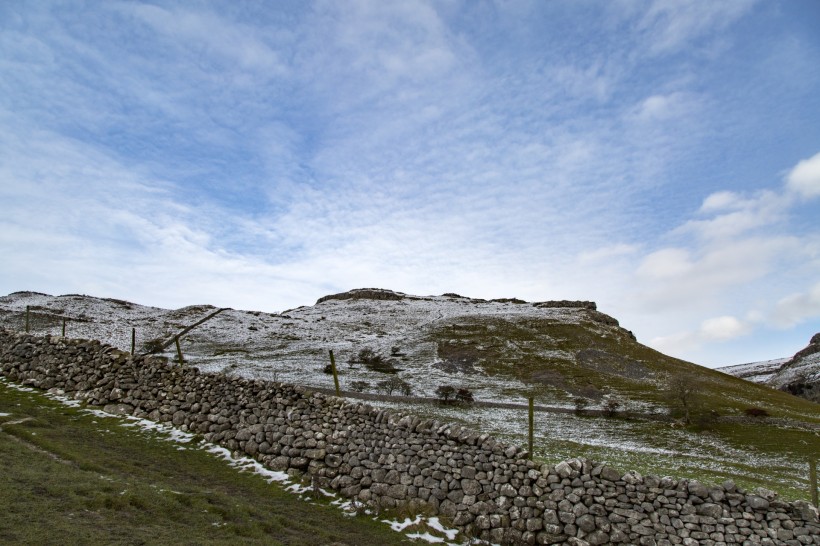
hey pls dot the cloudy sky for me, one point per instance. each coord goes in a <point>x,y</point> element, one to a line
<point>659,157</point>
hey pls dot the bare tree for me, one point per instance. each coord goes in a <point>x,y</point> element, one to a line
<point>389,386</point>
<point>445,392</point>
<point>682,392</point>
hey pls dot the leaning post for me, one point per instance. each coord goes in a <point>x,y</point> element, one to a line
<point>335,375</point>
<point>179,350</point>
<point>813,481</point>
<point>28,312</point>
<point>63,326</point>
<point>532,426</point>
<point>133,340</point>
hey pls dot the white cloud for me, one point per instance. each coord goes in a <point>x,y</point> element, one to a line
<point>804,178</point>
<point>607,253</point>
<point>738,215</point>
<point>662,108</point>
<point>237,44</point>
<point>722,200</point>
<point>723,328</point>
<point>669,26</point>
<point>717,329</point>
<point>668,263</point>
<point>797,308</point>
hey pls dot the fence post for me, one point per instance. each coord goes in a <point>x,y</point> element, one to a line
<point>532,427</point>
<point>813,480</point>
<point>335,375</point>
<point>133,340</point>
<point>28,312</point>
<point>63,326</point>
<point>179,350</point>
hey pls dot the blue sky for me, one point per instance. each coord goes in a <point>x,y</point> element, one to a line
<point>659,157</point>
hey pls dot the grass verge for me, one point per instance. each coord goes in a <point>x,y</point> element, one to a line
<point>72,477</point>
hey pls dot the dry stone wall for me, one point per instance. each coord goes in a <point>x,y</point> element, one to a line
<point>486,488</point>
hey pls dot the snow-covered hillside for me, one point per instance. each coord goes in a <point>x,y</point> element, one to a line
<point>758,372</point>
<point>294,346</point>
<point>503,351</point>
<point>798,375</point>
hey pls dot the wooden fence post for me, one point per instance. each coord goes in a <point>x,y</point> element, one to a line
<point>133,340</point>
<point>532,426</point>
<point>179,350</point>
<point>813,481</point>
<point>63,326</point>
<point>335,375</point>
<point>28,312</point>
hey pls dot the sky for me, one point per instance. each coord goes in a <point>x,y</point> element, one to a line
<point>661,158</point>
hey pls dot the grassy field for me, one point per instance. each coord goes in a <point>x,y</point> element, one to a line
<point>72,477</point>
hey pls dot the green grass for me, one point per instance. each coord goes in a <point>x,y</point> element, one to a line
<point>70,477</point>
<point>526,350</point>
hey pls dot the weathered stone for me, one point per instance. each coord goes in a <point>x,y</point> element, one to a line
<point>610,474</point>
<point>710,509</point>
<point>757,503</point>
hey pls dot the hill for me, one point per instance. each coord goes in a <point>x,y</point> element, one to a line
<point>566,355</point>
<point>556,351</point>
<point>798,375</point>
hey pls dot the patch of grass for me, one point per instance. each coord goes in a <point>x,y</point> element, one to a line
<point>87,480</point>
<point>560,360</point>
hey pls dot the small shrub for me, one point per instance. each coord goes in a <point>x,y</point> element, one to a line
<point>465,396</point>
<point>445,392</point>
<point>581,404</point>
<point>756,412</point>
<point>611,406</point>
<point>328,369</point>
<point>375,362</point>
<point>359,386</point>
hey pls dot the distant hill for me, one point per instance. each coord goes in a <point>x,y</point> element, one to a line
<point>798,375</point>
<point>504,348</point>
<point>757,372</point>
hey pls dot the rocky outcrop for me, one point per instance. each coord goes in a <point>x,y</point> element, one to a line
<point>486,488</point>
<point>801,374</point>
<point>364,294</point>
<point>567,304</point>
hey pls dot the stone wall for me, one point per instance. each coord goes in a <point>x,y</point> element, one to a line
<point>485,488</point>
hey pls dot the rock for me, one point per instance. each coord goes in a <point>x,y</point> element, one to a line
<point>697,489</point>
<point>757,503</point>
<point>610,474</point>
<point>710,509</point>
<point>563,469</point>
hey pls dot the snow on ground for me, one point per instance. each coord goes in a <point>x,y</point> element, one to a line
<point>108,320</point>
<point>758,372</point>
<point>428,529</point>
<point>805,369</point>
<point>293,347</point>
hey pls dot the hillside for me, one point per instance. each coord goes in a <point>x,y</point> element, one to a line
<point>504,351</point>
<point>798,375</point>
<point>556,351</point>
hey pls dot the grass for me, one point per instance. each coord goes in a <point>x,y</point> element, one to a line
<point>74,477</point>
<point>541,354</point>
